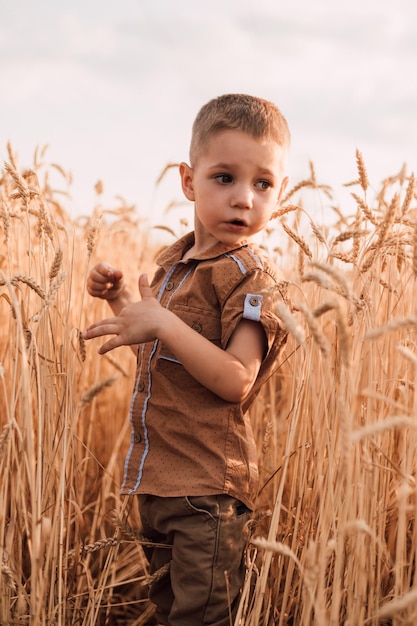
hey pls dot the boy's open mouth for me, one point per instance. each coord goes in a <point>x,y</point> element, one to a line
<point>237,222</point>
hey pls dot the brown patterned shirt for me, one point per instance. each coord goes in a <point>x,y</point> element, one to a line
<point>185,439</point>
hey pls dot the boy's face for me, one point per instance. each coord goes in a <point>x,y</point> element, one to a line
<point>235,184</point>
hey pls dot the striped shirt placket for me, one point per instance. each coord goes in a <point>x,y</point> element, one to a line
<point>148,393</point>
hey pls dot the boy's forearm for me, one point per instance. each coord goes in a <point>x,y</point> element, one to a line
<point>122,300</point>
<point>215,368</point>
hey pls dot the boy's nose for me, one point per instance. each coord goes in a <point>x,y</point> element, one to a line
<point>242,196</point>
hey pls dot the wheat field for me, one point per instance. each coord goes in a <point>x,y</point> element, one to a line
<point>333,538</point>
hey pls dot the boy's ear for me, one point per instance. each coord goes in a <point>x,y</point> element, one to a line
<point>187,181</point>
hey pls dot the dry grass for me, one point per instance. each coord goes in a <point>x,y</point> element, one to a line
<point>334,538</point>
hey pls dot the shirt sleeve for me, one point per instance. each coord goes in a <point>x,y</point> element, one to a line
<point>256,298</point>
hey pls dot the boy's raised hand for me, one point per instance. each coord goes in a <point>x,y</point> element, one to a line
<point>105,282</point>
<point>136,323</point>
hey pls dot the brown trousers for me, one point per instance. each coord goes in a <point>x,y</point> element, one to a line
<point>205,539</point>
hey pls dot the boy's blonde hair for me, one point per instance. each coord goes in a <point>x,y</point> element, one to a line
<point>255,116</point>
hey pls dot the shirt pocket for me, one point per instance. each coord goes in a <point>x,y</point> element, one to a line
<point>202,321</point>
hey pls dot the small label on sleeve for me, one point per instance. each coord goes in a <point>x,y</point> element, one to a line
<point>252,307</point>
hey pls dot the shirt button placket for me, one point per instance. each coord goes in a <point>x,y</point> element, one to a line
<point>137,437</point>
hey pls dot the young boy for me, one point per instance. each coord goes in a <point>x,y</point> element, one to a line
<point>207,339</point>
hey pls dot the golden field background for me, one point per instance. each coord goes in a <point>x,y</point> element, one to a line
<point>333,539</point>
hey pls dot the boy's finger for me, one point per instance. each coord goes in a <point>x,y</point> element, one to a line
<point>110,345</point>
<point>144,289</point>
<point>106,268</point>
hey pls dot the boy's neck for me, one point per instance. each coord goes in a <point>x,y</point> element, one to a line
<point>199,248</point>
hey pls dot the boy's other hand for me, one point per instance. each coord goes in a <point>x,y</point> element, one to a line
<point>135,324</point>
<point>105,282</point>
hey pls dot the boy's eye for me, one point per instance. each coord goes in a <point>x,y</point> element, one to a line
<point>263,185</point>
<point>224,179</point>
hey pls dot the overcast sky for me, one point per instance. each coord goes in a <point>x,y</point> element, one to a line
<point>113,87</point>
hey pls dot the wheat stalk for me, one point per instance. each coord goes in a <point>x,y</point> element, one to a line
<point>390,609</point>
<point>21,184</point>
<point>99,187</point>
<point>414,262</point>
<point>81,345</point>
<point>158,575</point>
<point>393,325</point>
<point>12,156</point>
<point>7,430</point>
<point>284,210</point>
<point>400,421</point>
<point>92,235</point>
<point>301,261</point>
<point>298,240</point>
<point>315,330</point>
<point>324,308</point>
<point>53,288</point>
<point>100,545</point>
<point>44,224</point>
<point>343,236</point>
<point>5,217</point>
<point>345,258</point>
<point>318,233</point>
<point>409,195</point>
<point>383,232</point>
<point>8,577</point>
<point>96,389</point>
<point>290,323</point>
<point>408,354</point>
<point>30,282</point>
<point>363,206</point>
<point>363,175</point>
<point>56,264</point>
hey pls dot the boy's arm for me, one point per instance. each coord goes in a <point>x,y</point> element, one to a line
<point>229,373</point>
<point>107,283</point>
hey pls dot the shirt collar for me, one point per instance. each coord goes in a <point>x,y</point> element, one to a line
<point>174,253</point>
